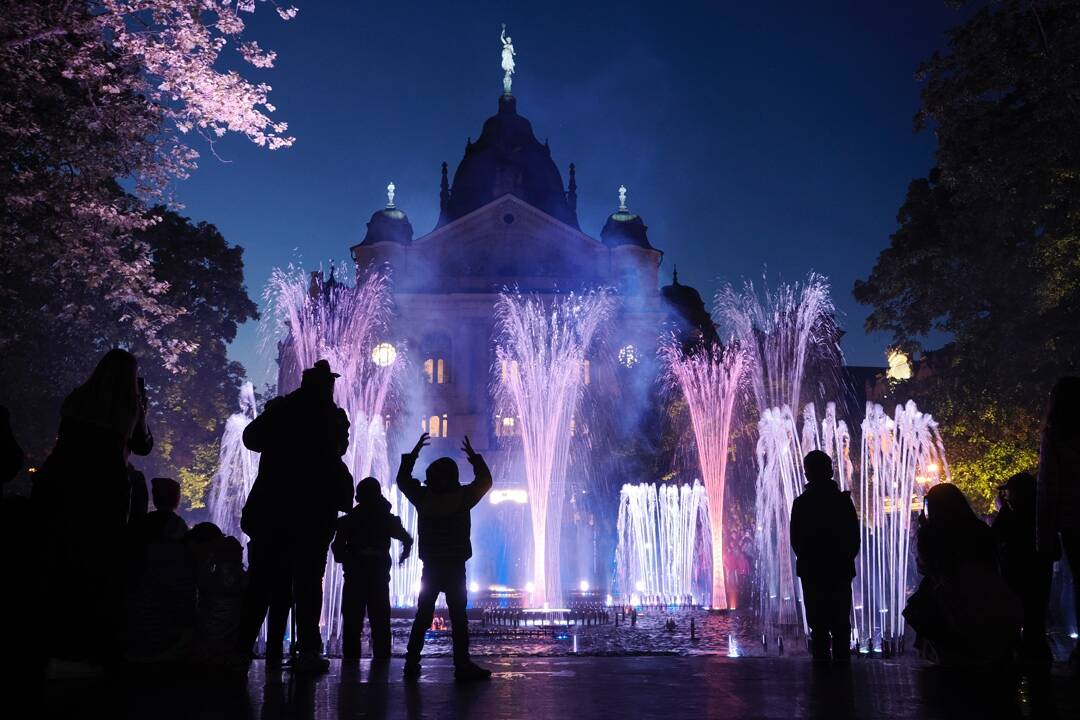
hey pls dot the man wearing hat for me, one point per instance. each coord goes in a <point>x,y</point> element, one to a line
<point>292,510</point>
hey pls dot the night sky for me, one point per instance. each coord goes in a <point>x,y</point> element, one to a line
<point>751,136</point>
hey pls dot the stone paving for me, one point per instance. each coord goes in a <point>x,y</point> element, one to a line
<point>583,688</point>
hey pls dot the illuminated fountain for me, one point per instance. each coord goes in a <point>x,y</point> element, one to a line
<point>786,332</point>
<point>540,350</point>
<point>663,544</point>
<point>346,326</point>
<point>901,458</point>
<point>708,379</point>
<point>237,467</point>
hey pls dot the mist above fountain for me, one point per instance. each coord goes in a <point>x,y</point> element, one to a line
<point>708,379</point>
<point>237,467</point>
<point>540,353</point>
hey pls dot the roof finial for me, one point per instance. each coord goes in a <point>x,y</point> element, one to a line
<point>444,189</point>
<point>390,194</point>
<point>622,198</point>
<point>571,188</point>
<point>507,59</point>
<point>674,274</point>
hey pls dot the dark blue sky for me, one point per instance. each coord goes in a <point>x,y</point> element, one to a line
<point>751,135</point>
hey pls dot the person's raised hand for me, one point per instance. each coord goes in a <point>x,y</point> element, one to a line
<point>422,443</point>
<point>467,448</point>
<point>405,552</point>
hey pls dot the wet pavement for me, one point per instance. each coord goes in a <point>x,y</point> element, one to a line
<point>584,688</point>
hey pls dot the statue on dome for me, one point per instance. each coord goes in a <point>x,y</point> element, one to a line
<point>507,59</point>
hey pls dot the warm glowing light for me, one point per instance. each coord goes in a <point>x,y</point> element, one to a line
<point>515,495</point>
<point>474,586</point>
<point>584,586</point>
<point>384,354</point>
<point>628,356</point>
<point>899,365</point>
<point>530,587</point>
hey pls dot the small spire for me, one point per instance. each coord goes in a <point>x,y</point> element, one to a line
<point>444,189</point>
<point>622,198</point>
<point>390,194</point>
<point>674,274</point>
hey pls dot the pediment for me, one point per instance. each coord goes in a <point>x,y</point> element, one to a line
<point>506,242</point>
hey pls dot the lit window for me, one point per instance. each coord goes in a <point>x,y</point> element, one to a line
<point>628,356</point>
<point>504,426</point>
<point>508,370</point>
<point>435,371</point>
<point>586,371</point>
<point>384,354</point>
<point>436,425</point>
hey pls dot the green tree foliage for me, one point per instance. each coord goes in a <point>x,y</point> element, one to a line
<point>203,274</point>
<point>988,248</point>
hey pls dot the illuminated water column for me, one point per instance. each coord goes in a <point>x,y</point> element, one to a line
<point>541,347</point>
<point>708,380</point>
<point>663,538</point>
<point>901,458</point>
<point>346,325</point>
<point>237,467</point>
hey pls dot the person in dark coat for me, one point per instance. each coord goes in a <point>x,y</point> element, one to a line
<point>963,613</point>
<point>444,525</point>
<point>362,546</point>
<point>1058,486</point>
<point>1027,572</point>
<point>291,512</point>
<point>81,496</point>
<point>825,539</point>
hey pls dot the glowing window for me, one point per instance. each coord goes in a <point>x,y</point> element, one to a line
<point>628,356</point>
<point>586,371</point>
<point>436,425</point>
<point>435,371</point>
<point>508,370</point>
<point>505,426</point>
<point>384,354</point>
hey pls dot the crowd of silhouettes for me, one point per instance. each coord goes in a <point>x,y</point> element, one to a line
<point>119,583</point>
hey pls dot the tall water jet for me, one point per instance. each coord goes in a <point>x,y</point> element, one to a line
<point>781,447</point>
<point>787,332</point>
<point>901,457</point>
<point>663,540</point>
<point>237,467</point>
<point>540,354</point>
<point>791,336</point>
<point>709,379</point>
<point>325,319</point>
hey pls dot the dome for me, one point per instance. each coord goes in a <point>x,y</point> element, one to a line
<point>625,228</point>
<point>688,313</point>
<point>388,225</point>
<point>507,158</point>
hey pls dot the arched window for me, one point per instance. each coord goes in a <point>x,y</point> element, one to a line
<point>436,426</point>
<point>435,349</point>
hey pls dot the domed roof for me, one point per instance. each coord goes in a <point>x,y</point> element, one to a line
<point>507,158</point>
<point>689,313</point>
<point>624,227</point>
<point>388,225</point>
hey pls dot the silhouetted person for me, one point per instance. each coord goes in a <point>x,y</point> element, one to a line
<point>1027,572</point>
<point>11,455</point>
<point>963,612</point>
<point>291,512</point>
<point>138,497</point>
<point>1058,487</point>
<point>444,523</point>
<point>362,546</point>
<point>161,602</point>
<point>82,497</point>
<point>825,538</point>
<point>221,581</point>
